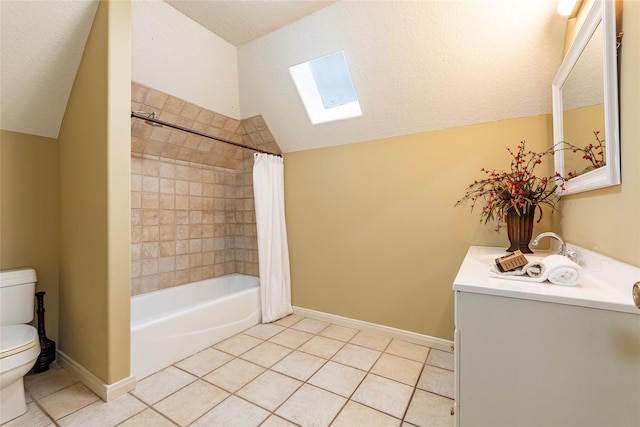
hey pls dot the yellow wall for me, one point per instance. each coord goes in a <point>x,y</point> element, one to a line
<point>606,220</point>
<point>29,213</point>
<point>119,189</point>
<point>94,201</point>
<point>373,232</point>
<point>575,132</point>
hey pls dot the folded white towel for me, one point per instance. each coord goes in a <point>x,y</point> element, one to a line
<point>557,269</point>
<point>532,269</point>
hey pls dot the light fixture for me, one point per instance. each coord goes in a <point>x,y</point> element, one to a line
<point>565,7</point>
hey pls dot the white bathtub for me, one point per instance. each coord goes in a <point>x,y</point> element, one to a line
<point>171,324</point>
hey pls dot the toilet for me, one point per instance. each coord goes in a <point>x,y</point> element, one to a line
<point>19,343</point>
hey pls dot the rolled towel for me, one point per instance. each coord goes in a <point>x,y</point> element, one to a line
<point>532,269</point>
<point>562,271</point>
<point>557,269</point>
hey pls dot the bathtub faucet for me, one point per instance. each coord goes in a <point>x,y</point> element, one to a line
<point>572,255</point>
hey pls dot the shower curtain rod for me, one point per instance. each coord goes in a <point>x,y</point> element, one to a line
<point>149,118</point>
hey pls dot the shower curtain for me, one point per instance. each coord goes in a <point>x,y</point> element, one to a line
<point>273,252</point>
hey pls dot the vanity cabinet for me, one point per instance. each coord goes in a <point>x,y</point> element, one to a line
<point>520,361</point>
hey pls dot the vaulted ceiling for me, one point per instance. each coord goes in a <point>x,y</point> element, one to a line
<point>416,65</point>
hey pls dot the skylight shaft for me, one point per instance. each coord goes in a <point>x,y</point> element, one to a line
<point>326,89</point>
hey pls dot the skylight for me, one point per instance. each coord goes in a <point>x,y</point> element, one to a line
<point>326,88</point>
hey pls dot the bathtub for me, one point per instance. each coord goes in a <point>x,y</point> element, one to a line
<point>171,324</point>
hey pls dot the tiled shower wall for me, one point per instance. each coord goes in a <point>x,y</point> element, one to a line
<point>192,208</point>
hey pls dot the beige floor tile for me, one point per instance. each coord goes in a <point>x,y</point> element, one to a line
<point>109,413</point>
<point>204,362</point>
<point>338,378</point>
<point>408,350</point>
<point>310,325</point>
<point>397,368</point>
<point>33,377</point>
<point>441,359</point>
<point>276,421</point>
<point>191,402</point>
<point>369,340</point>
<point>238,344</point>
<point>156,387</point>
<point>320,413</point>
<point>269,390</point>
<point>355,414</point>
<point>339,333</point>
<point>264,330</point>
<point>147,418</point>
<point>322,347</point>
<point>68,400</point>
<point>46,383</point>
<point>233,412</point>
<point>383,394</point>
<point>427,409</point>
<point>291,338</point>
<point>299,365</point>
<point>356,356</point>
<point>234,375</point>
<point>379,398</point>
<point>290,320</point>
<point>266,354</point>
<point>34,417</point>
<point>437,380</point>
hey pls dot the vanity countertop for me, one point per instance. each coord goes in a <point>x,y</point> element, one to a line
<point>607,283</point>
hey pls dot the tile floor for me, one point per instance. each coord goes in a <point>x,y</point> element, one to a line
<point>296,371</point>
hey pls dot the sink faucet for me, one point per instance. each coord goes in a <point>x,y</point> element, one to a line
<point>572,255</point>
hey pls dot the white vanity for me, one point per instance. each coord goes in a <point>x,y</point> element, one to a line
<point>538,354</point>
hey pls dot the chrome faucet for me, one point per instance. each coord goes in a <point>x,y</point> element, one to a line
<point>572,255</point>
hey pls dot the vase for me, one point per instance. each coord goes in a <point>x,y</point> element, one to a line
<point>520,229</point>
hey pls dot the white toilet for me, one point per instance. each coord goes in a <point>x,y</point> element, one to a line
<point>19,343</point>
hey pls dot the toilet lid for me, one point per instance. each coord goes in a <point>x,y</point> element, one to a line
<point>16,338</point>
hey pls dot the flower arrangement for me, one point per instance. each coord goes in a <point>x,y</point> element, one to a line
<point>519,188</point>
<point>593,153</point>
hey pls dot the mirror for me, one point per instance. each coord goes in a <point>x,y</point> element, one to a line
<point>585,104</point>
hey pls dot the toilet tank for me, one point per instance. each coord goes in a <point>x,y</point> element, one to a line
<point>17,291</point>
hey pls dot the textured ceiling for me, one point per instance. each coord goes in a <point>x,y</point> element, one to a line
<point>416,65</point>
<point>240,22</point>
<point>42,44</point>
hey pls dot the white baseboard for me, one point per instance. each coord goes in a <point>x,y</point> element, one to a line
<point>106,392</point>
<point>426,340</point>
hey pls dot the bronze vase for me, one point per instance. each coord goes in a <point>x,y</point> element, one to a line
<point>520,229</point>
